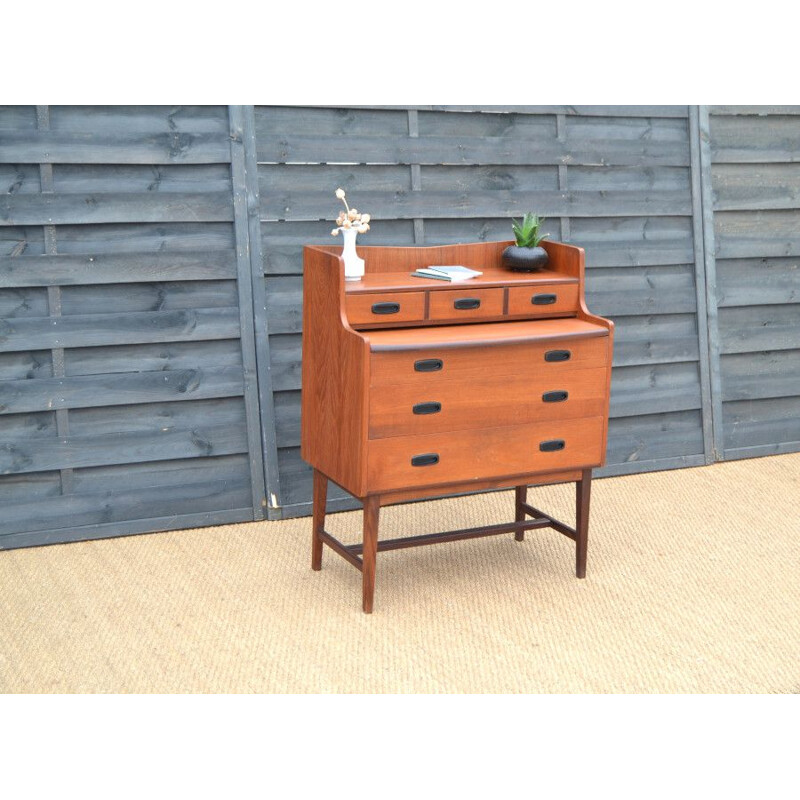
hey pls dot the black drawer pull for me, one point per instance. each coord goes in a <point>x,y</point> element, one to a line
<point>466,303</point>
<point>427,408</point>
<point>552,445</point>
<point>544,299</point>
<point>425,460</point>
<point>554,397</point>
<point>385,308</point>
<point>428,365</point>
<point>557,355</point>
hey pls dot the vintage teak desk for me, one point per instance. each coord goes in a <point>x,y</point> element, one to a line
<point>416,388</point>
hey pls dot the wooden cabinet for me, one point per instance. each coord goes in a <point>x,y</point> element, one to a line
<point>416,388</point>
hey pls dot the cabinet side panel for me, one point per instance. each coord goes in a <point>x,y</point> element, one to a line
<point>334,374</point>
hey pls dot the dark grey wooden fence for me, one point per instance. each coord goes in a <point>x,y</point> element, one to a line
<point>128,392</point>
<point>151,272</point>
<point>753,192</point>
<point>620,181</point>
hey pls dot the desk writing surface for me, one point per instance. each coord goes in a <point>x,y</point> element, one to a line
<point>492,276</point>
<point>485,333</point>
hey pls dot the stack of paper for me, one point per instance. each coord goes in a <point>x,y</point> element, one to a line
<point>447,273</point>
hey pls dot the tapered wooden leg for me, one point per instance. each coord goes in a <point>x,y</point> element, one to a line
<point>318,525</point>
<point>372,507</point>
<point>520,496</point>
<point>583,493</point>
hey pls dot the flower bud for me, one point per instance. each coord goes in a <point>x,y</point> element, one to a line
<point>340,194</point>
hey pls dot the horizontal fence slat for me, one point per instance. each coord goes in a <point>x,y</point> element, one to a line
<point>27,364</point>
<point>641,390</point>
<point>162,296</point>
<point>587,111</point>
<point>655,290</point>
<point>29,488</point>
<point>760,111</point>
<point>118,147</point>
<point>761,423</point>
<point>769,281</point>
<point>156,416</point>
<point>148,357</point>
<point>756,187</point>
<point>169,473</point>
<point>119,389</point>
<point>749,139</point>
<point>497,203</point>
<point>748,329</point>
<point>285,352</point>
<point>755,376</point>
<point>85,533</point>
<point>121,447</point>
<point>478,150</point>
<point>652,437</point>
<point>753,234</point>
<point>91,330</point>
<point>78,209</point>
<point>69,270</point>
<point>122,504</point>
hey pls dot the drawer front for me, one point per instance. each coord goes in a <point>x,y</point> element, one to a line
<point>412,461</point>
<point>466,304</point>
<point>380,309</point>
<point>451,405</point>
<point>539,301</point>
<point>425,369</point>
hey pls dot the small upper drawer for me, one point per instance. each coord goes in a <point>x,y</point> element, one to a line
<point>535,301</point>
<point>379,309</point>
<point>466,303</point>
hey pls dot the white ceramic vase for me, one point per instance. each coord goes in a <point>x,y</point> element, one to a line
<point>353,265</point>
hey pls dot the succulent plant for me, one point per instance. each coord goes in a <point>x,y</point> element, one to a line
<point>527,232</point>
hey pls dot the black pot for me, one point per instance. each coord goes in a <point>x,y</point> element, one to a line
<point>524,259</point>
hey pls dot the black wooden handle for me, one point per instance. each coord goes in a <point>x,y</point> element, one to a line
<point>428,365</point>
<point>385,308</point>
<point>544,299</point>
<point>552,445</point>
<point>425,460</point>
<point>555,397</point>
<point>427,408</point>
<point>557,355</point>
<point>466,303</point>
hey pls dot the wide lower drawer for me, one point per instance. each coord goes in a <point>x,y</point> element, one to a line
<point>427,368</point>
<point>385,307</point>
<point>487,401</point>
<point>411,461</point>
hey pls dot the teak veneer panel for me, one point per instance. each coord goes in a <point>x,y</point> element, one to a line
<point>482,453</point>
<point>444,305</point>
<point>498,360</point>
<point>360,308</point>
<point>484,334</point>
<point>484,401</point>
<point>564,296</point>
<point>335,376</point>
